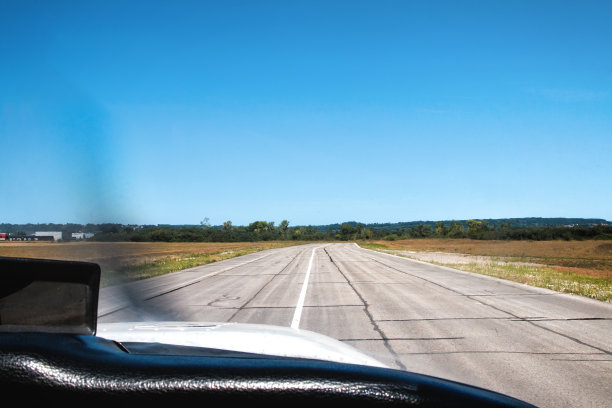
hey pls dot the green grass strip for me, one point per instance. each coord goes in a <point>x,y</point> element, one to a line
<point>539,276</point>
<point>168,264</point>
<point>544,277</point>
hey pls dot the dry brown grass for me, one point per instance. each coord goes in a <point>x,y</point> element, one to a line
<point>113,255</point>
<point>578,267</point>
<point>587,258</point>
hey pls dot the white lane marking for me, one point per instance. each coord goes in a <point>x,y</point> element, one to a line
<point>300,304</point>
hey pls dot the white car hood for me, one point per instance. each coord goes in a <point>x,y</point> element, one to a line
<point>248,338</point>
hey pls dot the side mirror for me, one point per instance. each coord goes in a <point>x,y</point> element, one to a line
<point>38,295</point>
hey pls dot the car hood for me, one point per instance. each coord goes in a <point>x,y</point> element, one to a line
<point>239,337</point>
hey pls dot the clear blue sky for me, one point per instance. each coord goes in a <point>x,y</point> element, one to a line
<point>317,112</point>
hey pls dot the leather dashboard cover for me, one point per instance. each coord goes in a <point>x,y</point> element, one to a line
<point>72,368</point>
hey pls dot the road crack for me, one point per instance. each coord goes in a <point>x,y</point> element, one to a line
<point>373,322</point>
<point>518,318</point>
<point>244,305</point>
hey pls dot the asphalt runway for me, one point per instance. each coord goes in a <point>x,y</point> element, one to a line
<point>543,347</point>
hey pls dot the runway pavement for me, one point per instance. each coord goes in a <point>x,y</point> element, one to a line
<point>546,348</point>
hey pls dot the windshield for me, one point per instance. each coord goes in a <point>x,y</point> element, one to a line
<point>428,183</point>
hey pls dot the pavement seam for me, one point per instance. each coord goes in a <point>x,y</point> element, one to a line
<point>543,291</point>
<point>244,306</point>
<point>532,322</point>
<point>369,315</point>
<point>472,297</point>
<point>408,338</point>
<point>420,277</point>
<point>183,285</point>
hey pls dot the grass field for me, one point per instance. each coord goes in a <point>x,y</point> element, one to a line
<point>579,267</point>
<point>124,261</point>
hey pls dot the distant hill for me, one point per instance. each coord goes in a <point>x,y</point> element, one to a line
<point>535,222</point>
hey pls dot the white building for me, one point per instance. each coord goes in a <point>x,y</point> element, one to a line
<point>81,235</point>
<point>57,235</point>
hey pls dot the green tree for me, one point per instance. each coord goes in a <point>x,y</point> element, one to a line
<point>360,229</point>
<point>347,231</point>
<point>476,229</point>
<point>261,226</point>
<point>421,231</point>
<point>441,229</point>
<point>456,230</point>
<point>282,227</point>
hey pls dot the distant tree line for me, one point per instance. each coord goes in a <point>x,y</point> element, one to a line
<point>493,223</point>
<point>268,231</point>
<point>255,231</point>
<point>536,229</point>
<point>483,230</point>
